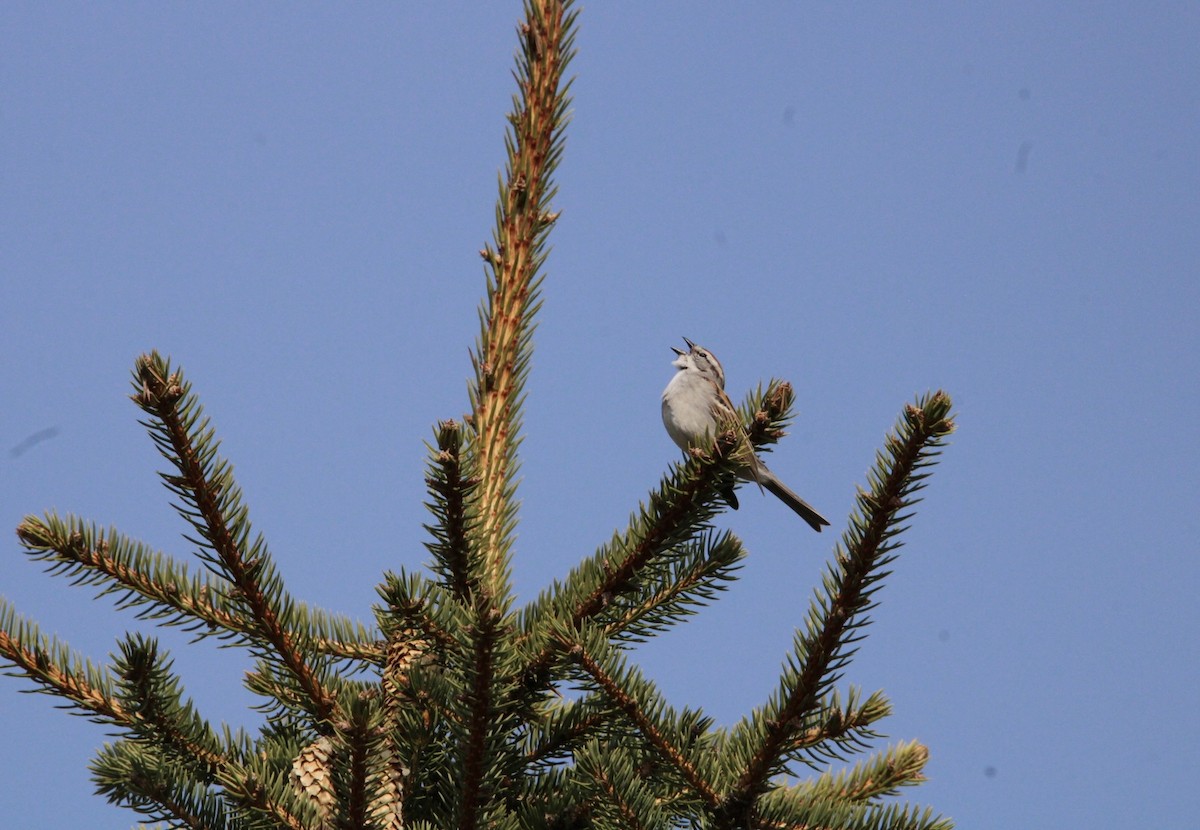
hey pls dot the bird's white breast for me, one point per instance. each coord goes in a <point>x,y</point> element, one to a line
<point>687,409</point>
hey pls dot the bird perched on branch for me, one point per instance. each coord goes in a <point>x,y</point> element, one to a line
<point>695,408</point>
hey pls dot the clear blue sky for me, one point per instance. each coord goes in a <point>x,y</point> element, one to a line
<point>869,200</point>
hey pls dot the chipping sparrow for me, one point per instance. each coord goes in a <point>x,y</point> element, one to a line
<point>695,407</point>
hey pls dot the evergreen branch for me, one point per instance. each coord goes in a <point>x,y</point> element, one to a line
<point>153,697</point>
<point>261,791</point>
<point>428,742</point>
<point>358,799</point>
<point>92,556</point>
<point>418,610</point>
<point>480,707</point>
<point>130,775</point>
<point>827,815</point>
<point>356,743</point>
<point>660,534</point>
<point>212,505</point>
<point>407,647</point>
<point>834,619</point>
<point>501,362</point>
<point>562,730</point>
<point>640,702</point>
<point>671,587</point>
<point>451,490</point>
<point>165,591</point>
<point>693,577</point>
<point>624,798</point>
<point>502,354</point>
<point>283,699</point>
<point>682,507</point>
<point>358,651</point>
<point>554,799</point>
<point>831,730</point>
<point>615,795</point>
<point>420,701</point>
<point>57,669</point>
<point>61,672</point>
<point>835,729</point>
<point>899,766</point>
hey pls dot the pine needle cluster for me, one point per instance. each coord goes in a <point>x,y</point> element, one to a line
<point>457,707</point>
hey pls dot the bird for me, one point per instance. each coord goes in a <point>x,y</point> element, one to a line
<point>695,407</point>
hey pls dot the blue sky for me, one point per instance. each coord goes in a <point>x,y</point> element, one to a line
<point>870,200</point>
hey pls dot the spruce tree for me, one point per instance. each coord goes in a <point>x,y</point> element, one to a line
<point>459,707</point>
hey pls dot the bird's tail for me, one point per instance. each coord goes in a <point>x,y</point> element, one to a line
<point>803,509</point>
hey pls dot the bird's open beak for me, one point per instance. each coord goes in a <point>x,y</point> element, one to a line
<point>691,345</point>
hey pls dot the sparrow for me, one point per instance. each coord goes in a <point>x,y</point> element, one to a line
<point>695,408</point>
